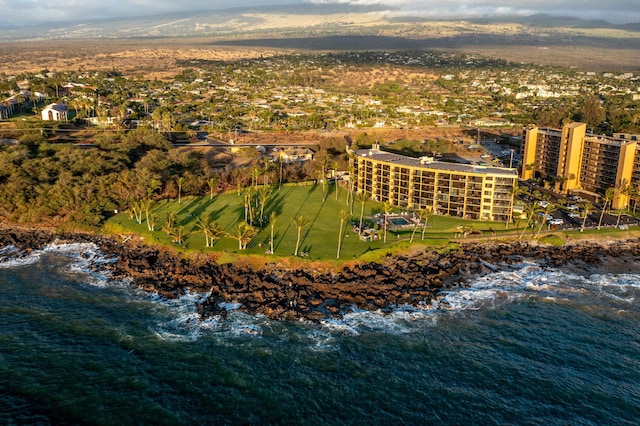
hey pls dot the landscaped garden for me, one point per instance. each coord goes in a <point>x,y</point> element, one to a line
<point>318,235</point>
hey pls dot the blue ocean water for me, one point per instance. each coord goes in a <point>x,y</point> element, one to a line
<point>528,346</point>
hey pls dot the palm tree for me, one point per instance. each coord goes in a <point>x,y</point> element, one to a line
<point>607,198</point>
<point>386,208</point>
<point>531,210</point>
<point>587,208</point>
<point>209,228</point>
<point>136,208</point>
<point>146,206</point>
<point>273,218</point>
<point>335,178</point>
<point>425,215</point>
<point>299,221</point>
<point>280,176</point>
<point>255,175</point>
<point>265,172</point>
<point>179,235</point>
<point>363,197</point>
<point>170,222</point>
<point>415,228</point>
<point>343,215</point>
<point>634,193</point>
<point>626,190</point>
<point>244,233</point>
<point>550,208</point>
<point>180,182</point>
<point>322,174</point>
<point>264,193</point>
<point>352,182</point>
<point>152,222</point>
<point>514,192</point>
<point>212,185</point>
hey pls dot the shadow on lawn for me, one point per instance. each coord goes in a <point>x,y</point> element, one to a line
<point>279,206</point>
<point>196,208</point>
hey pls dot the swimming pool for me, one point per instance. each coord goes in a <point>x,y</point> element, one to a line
<point>398,221</point>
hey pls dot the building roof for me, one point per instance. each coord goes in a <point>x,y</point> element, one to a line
<point>388,157</point>
<point>57,107</point>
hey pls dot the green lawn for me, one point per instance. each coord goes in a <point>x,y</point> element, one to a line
<point>319,239</point>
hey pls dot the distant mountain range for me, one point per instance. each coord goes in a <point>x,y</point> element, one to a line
<point>297,20</point>
<point>537,20</point>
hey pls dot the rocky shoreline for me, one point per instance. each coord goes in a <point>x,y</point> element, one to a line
<point>312,294</point>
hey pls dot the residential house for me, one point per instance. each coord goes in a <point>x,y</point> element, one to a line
<point>55,112</point>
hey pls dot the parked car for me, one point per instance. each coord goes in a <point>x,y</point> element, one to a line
<point>555,222</point>
<point>574,214</point>
<point>543,204</point>
<point>546,217</point>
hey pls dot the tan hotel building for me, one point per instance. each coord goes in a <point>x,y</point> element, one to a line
<point>582,164</point>
<point>463,190</point>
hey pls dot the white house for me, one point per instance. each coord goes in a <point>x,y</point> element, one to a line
<point>55,112</point>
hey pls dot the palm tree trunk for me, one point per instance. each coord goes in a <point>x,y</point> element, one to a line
<point>297,242</point>
<point>339,239</point>
<point>540,227</point>
<point>385,228</point>
<point>602,214</point>
<point>415,228</point>
<point>271,241</point>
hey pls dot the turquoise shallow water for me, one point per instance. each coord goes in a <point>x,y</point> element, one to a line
<point>530,346</point>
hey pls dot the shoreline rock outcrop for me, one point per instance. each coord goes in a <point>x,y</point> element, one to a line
<point>282,293</point>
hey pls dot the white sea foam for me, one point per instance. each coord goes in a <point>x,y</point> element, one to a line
<point>184,323</point>
<point>528,281</point>
<point>86,259</point>
<point>321,339</point>
<point>181,322</point>
<point>8,250</point>
<point>19,260</point>
<point>620,287</point>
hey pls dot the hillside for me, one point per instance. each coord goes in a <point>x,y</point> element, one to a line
<point>250,32</point>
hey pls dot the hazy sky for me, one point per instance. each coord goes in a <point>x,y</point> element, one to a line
<point>29,12</point>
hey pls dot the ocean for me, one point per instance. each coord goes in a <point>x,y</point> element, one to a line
<point>530,345</point>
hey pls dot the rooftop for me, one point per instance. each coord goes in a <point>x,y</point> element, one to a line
<point>388,157</point>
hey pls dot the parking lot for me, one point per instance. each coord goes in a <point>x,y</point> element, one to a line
<point>569,216</point>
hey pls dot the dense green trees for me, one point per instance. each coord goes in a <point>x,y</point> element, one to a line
<point>56,184</point>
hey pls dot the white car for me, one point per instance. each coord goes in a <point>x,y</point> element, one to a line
<point>574,214</point>
<point>572,207</point>
<point>543,204</point>
<point>555,222</point>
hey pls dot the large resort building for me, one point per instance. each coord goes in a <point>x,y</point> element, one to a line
<point>463,190</point>
<point>581,163</point>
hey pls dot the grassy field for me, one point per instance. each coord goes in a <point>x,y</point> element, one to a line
<point>319,239</point>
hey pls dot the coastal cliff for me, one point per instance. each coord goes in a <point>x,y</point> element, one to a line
<point>313,293</point>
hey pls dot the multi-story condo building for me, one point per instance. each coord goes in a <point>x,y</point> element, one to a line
<point>463,190</point>
<point>582,163</point>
